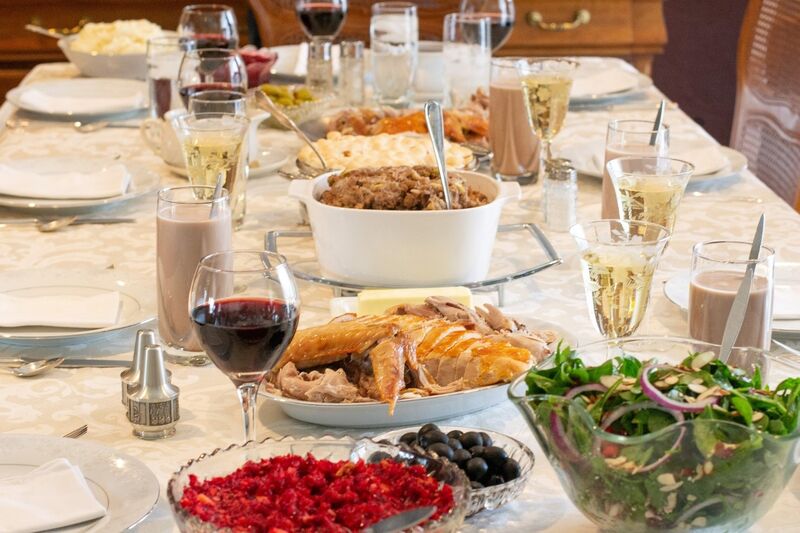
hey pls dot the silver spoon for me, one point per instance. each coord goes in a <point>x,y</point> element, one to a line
<point>34,368</point>
<point>658,122</point>
<point>435,121</point>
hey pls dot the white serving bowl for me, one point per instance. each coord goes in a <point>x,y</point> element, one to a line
<point>405,248</point>
<point>130,66</point>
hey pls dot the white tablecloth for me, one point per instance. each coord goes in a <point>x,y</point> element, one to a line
<point>64,399</point>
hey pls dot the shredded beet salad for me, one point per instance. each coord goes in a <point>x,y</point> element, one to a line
<point>293,493</point>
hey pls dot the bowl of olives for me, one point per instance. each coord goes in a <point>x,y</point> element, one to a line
<point>296,101</point>
<point>498,466</point>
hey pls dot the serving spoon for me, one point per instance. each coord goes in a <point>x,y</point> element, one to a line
<point>34,368</point>
<point>435,121</point>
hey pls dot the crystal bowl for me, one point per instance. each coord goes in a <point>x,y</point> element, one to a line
<point>487,497</point>
<point>715,475</point>
<point>223,461</point>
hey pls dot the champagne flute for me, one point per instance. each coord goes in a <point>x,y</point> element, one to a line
<point>211,69</point>
<point>209,26</point>
<point>321,19</point>
<point>245,306</point>
<point>618,260</point>
<point>546,83</point>
<point>500,14</point>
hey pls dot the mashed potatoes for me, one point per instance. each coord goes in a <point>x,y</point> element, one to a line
<point>115,38</point>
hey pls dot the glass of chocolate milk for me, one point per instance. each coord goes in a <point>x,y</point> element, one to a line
<point>514,146</point>
<point>718,268</point>
<point>629,138</point>
<point>189,226</point>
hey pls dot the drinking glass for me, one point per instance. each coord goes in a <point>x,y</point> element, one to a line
<point>618,259</point>
<point>164,55</point>
<point>351,73</point>
<point>501,16</point>
<point>467,56</point>
<point>189,226</point>
<point>649,189</point>
<point>319,76</point>
<point>209,26</point>
<point>546,83</point>
<point>718,269</point>
<point>321,19</point>
<point>394,43</point>
<point>629,137</point>
<point>211,69</point>
<point>245,306</point>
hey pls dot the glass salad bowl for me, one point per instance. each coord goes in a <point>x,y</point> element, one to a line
<point>223,461</point>
<point>699,474</point>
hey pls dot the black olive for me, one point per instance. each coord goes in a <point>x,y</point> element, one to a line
<point>408,438</point>
<point>487,440</point>
<point>455,434</point>
<point>435,436</point>
<point>476,468</point>
<point>441,449</point>
<point>422,440</point>
<point>377,457</point>
<point>461,456</point>
<point>475,485</point>
<point>495,456</point>
<point>477,451</point>
<point>454,443</point>
<point>511,470</point>
<point>493,480</point>
<point>470,439</point>
<point>428,427</point>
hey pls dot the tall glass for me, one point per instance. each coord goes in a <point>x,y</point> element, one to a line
<point>209,26</point>
<point>515,148</point>
<point>618,259</point>
<point>718,269</point>
<point>321,20</point>
<point>245,306</point>
<point>500,13</point>
<point>649,189</point>
<point>210,69</point>
<point>319,76</point>
<point>394,43</point>
<point>467,56</point>
<point>546,83</point>
<point>164,55</point>
<point>629,137</point>
<point>189,226</point>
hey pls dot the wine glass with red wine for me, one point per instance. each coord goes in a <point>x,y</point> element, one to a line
<point>211,69</point>
<point>210,26</point>
<point>321,19</point>
<point>244,306</point>
<point>500,14</point>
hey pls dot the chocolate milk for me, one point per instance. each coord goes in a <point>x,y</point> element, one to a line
<point>711,295</point>
<point>184,235</point>
<point>514,146</point>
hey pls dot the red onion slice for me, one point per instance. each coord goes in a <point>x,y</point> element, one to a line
<point>657,396</point>
<point>560,438</point>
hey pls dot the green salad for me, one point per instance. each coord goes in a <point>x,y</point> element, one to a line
<point>665,446</point>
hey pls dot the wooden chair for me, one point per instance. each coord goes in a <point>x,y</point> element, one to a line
<point>766,123</point>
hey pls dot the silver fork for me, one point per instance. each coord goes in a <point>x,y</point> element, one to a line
<point>79,432</point>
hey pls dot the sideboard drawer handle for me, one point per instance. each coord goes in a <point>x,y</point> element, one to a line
<point>582,16</point>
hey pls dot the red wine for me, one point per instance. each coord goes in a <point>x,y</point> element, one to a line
<point>187,92</point>
<point>161,96</point>
<point>213,40</point>
<point>323,19</point>
<point>245,337</point>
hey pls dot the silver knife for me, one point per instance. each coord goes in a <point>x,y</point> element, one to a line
<point>79,220</point>
<point>401,521</point>
<point>739,307</point>
<point>72,362</point>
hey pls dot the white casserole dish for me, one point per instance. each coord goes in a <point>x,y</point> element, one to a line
<point>405,248</point>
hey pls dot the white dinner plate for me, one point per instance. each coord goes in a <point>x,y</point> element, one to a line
<point>407,411</point>
<point>123,485</point>
<point>85,88</point>
<point>143,181</point>
<point>268,161</point>
<point>137,299</point>
<point>601,80</point>
<point>785,320</point>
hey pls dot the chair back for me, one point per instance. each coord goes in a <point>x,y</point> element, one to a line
<point>766,123</point>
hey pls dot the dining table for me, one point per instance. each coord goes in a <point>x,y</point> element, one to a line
<point>210,416</point>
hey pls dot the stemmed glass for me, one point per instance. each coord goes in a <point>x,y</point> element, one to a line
<point>500,14</point>
<point>210,26</point>
<point>245,306</point>
<point>211,69</point>
<point>546,83</point>
<point>321,20</point>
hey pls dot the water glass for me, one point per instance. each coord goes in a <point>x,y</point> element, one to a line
<point>501,14</point>
<point>467,56</point>
<point>164,55</point>
<point>394,43</point>
<point>718,269</point>
<point>319,76</point>
<point>209,26</point>
<point>618,260</point>
<point>351,73</point>
<point>649,189</point>
<point>633,138</point>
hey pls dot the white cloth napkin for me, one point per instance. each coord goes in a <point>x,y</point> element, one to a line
<point>60,310</point>
<point>603,82</point>
<point>706,160</point>
<point>38,100</point>
<point>54,495</point>
<point>112,180</point>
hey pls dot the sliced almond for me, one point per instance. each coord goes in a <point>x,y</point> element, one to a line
<point>758,415</point>
<point>666,479</point>
<point>697,388</point>
<point>671,380</point>
<point>697,381</point>
<point>702,360</point>
<point>691,497</point>
<point>609,381</point>
<point>661,384</point>
<point>670,488</point>
<point>616,461</point>
<point>708,467</point>
<point>712,391</point>
<point>672,501</point>
<point>629,381</point>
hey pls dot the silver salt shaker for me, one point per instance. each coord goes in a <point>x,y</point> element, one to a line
<point>559,195</point>
<point>131,376</point>
<point>153,403</point>
<point>351,73</point>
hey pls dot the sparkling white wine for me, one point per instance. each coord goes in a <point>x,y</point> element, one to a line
<point>547,100</point>
<point>208,154</point>
<point>650,199</point>
<point>617,288</point>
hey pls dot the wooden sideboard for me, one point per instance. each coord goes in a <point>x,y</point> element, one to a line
<point>21,50</point>
<point>631,29</point>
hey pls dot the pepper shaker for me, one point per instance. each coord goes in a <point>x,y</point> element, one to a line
<point>559,194</point>
<point>153,403</point>
<point>131,376</point>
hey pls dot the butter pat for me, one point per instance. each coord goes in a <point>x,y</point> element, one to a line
<point>378,301</point>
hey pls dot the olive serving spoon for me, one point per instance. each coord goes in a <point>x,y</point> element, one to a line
<point>34,368</point>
